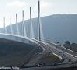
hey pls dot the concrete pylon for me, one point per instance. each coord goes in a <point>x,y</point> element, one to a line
<point>31,28</point>
<point>11,29</point>
<point>23,25</point>
<point>4,26</point>
<point>17,25</point>
<point>39,34</point>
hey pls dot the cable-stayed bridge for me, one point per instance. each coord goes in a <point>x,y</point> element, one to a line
<point>23,35</point>
<point>59,51</point>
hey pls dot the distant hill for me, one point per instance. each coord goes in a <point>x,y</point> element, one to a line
<point>57,27</point>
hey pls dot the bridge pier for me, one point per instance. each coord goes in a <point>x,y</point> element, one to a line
<point>39,34</point>
<point>23,25</point>
<point>17,26</point>
<point>5,29</point>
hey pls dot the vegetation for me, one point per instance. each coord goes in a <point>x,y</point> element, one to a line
<point>67,45</point>
<point>49,59</point>
<point>15,53</point>
<point>73,47</point>
<point>70,46</point>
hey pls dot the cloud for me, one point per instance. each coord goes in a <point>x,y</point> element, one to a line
<point>1,25</point>
<point>17,4</point>
<point>45,4</point>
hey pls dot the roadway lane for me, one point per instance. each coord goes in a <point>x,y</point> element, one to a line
<point>63,53</point>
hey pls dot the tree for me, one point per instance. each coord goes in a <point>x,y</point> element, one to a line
<point>67,42</point>
<point>74,47</point>
<point>67,45</point>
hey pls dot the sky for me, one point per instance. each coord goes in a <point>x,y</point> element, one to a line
<point>9,8</point>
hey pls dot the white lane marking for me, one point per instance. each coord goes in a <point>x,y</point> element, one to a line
<point>57,55</point>
<point>70,50</point>
<point>69,54</point>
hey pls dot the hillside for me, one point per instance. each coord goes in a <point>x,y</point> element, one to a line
<point>14,53</point>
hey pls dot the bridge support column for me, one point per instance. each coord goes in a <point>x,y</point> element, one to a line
<point>32,36</point>
<point>17,26</point>
<point>23,25</point>
<point>5,29</point>
<point>39,33</point>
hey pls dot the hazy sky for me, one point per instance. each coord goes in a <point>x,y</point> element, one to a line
<point>8,8</point>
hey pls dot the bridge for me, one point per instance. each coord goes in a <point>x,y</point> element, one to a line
<point>59,51</point>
